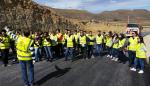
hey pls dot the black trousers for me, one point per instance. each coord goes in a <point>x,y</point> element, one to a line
<point>60,51</point>
<point>4,54</point>
<point>90,51</point>
<point>83,51</point>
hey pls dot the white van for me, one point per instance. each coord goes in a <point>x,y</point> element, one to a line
<point>133,28</point>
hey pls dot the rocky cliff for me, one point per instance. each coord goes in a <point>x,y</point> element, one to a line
<point>26,14</point>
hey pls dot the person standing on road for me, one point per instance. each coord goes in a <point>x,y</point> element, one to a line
<point>83,44</point>
<point>109,44</point>
<point>47,46</point>
<point>115,47</point>
<point>132,43</point>
<point>70,41</point>
<point>24,46</point>
<point>140,55</point>
<point>4,47</point>
<point>90,44</point>
<point>99,42</point>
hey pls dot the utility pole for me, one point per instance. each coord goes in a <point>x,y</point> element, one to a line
<point>128,19</point>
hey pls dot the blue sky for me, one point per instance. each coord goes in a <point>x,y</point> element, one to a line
<point>96,6</point>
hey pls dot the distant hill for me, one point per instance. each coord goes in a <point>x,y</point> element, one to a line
<point>122,15</point>
<point>117,15</point>
<point>75,14</point>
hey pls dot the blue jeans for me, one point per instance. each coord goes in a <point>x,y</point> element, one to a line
<point>69,53</point>
<point>131,58</point>
<point>48,52</point>
<point>37,54</point>
<point>115,52</point>
<point>141,63</point>
<point>109,49</point>
<point>98,49</point>
<point>27,65</point>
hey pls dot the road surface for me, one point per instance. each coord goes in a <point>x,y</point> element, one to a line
<point>99,71</point>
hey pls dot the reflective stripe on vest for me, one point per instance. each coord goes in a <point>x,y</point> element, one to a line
<point>23,45</point>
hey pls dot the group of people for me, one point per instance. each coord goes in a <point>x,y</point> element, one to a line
<point>34,47</point>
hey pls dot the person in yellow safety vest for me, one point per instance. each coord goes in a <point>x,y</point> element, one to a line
<point>122,47</point>
<point>76,46</point>
<point>90,43</point>
<point>25,48</point>
<point>64,46</point>
<point>4,47</point>
<point>115,47</point>
<point>60,51</point>
<point>53,38</point>
<point>141,50</point>
<point>131,48</point>
<point>109,44</point>
<point>70,40</point>
<point>37,47</point>
<point>83,44</point>
<point>104,41</point>
<point>99,41</point>
<point>12,47</point>
<point>47,46</point>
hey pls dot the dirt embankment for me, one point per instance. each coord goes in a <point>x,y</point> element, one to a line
<point>147,43</point>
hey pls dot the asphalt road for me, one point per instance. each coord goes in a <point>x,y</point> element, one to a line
<point>145,33</point>
<point>99,71</point>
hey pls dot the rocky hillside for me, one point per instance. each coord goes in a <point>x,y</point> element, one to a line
<point>26,14</point>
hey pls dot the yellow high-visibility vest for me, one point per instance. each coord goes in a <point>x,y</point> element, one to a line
<point>70,41</point>
<point>54,40</point>
<point>76,36</point>
<point>64,38</point>
<point>133,43</point>
<point>82,39</point>
<point>108,41</point>
<point>116,45</point>
<point>23,51</point>
<point>91,38</point>
<point>99,39</point>
<point>5,44</point>
<point>37,44</point>
<point>140,53</point>
<point>46,42</point>
<point>122,42</point>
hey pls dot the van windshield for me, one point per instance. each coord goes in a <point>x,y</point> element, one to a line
<point>132,25</point>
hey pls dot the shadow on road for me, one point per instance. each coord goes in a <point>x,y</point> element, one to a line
<point>59,72</point>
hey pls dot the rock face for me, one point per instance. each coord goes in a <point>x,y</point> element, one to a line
<point>26,14</point>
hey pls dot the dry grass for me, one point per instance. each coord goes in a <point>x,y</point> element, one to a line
<point>105,27</point>
<point>111,26</point>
